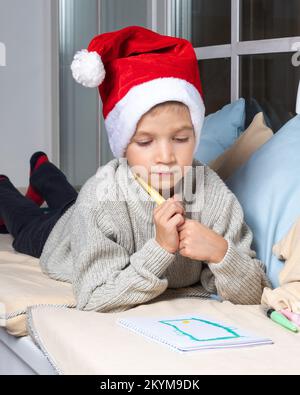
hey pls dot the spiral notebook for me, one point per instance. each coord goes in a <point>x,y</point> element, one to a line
<point>191,332</point>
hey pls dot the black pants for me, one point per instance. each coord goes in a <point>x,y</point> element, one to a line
<point>29,224</point>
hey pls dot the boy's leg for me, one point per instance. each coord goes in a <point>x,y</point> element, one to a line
<point>3,229</point>
<point>32,238</point>
<point>35,161</point>
<point>52,184</point>
<point>25,220</point>
<point>15,209</point>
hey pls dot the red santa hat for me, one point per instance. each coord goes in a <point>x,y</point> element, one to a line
<point>134,69</point>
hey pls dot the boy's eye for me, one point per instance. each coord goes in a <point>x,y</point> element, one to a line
<point>182,140</point>
<point>143,143</point>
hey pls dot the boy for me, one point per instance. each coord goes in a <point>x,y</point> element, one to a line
<point>117,247</point>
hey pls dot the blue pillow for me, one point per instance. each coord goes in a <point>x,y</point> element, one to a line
<point>268,189</point>
<point>220,130</point>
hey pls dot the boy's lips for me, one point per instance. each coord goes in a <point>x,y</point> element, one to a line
<point>165,174</point>
<point>162,174</point>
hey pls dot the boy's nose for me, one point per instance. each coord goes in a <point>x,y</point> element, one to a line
<point>165,153</point>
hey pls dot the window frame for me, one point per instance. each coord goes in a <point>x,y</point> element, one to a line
<point>236,48</point>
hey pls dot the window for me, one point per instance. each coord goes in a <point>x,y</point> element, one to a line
<point>83,138</point>
<point>217,81</point>
<point>264,19</point>
<point>262,81</point>
<point>245,49</point>
<point>211,21</point>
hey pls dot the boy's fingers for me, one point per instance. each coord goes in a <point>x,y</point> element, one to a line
<point>178,199</point>
<point>167,209</point>
<point>181,228</point>
<point>182,234</point>
<point>169,212</point>
<point>175,220</point>
<point>161,207</point>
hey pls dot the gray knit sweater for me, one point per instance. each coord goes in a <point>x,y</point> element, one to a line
<point>105,245</point>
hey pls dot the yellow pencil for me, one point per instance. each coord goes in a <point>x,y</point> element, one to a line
<point>152,192</point>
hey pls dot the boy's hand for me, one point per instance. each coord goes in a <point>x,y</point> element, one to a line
<point>167,217</point>
<point>196,241</point>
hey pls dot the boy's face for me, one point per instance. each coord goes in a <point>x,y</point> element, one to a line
<point>162,146</point>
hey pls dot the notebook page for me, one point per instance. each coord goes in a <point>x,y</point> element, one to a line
<point>191,332</point>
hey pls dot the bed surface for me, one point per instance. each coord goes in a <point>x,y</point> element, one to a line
<point>78,342</point>
<point>19,355</point>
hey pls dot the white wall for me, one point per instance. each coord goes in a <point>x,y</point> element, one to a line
<point>28,86</point>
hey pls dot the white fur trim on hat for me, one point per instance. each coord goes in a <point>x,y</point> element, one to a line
<point>122,120</point>
<point>87,68</point>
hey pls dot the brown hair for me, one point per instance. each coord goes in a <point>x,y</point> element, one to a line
<point>167,105</point>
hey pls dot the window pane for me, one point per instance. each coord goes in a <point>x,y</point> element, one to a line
<point>211,22</point>
<point>262,82</point>
<point>215,77</point>
<point>264,19</point>
<point>78,107</point>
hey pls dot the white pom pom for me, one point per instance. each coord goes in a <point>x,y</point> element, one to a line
<point>87,68</point>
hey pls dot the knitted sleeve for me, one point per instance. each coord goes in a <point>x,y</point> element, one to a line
<point>240,277</point>
<point>106,278</point>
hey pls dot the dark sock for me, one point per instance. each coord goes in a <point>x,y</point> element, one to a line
<point>37,159</point>
<point>3,229</point>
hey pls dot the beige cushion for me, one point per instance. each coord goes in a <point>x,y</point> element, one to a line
<point>287,295</point>
<point>23,284</point>
<point>254,136</point>
<point>79,342</point>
